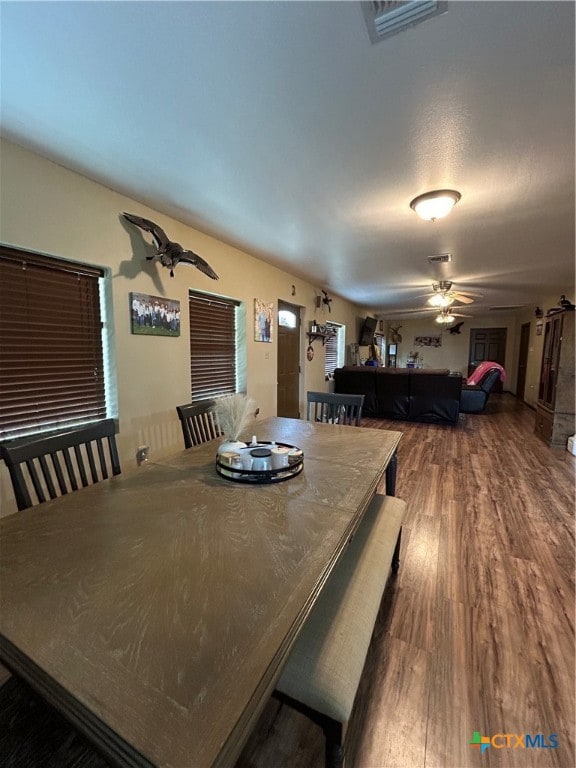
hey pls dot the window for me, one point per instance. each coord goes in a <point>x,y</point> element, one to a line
<point>52,367</point>
<point>287,318</point>
<point>214,368</point>
<point>334,349</point>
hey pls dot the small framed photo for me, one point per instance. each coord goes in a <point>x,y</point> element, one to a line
<point>263,320</point>
<point>154,315</point>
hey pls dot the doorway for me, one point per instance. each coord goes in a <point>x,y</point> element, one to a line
<point>523,360</point>
<point>487,344</point>
<point>288,366</point>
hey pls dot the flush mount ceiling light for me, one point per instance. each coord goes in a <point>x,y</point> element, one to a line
<point>435,205</point>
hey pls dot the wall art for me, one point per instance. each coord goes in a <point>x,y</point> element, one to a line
<point>263,320</point>
<point>154,315</point>
<point>428,341</point>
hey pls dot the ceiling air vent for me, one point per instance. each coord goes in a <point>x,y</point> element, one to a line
<point>504,307</point>
<point>440,258</point>
<point>387,17</point>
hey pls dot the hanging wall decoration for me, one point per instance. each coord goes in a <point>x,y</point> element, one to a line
<point>326,300</point>
<point>169,252</point>
<point>154,315</point>
<point>428,341</point>
<point>263,320</point>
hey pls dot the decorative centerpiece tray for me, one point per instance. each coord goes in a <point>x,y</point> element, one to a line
<point>234,466</point>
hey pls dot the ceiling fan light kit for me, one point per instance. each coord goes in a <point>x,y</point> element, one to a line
<point>445,318</point>
<point>436,204</point>
<point>441,300</point>
<point>442,286</point>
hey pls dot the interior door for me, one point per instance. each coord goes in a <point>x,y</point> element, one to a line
<point>522,360</point>
<point>288,381</point>
<point>487,344</point>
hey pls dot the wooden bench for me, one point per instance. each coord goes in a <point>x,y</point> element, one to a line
<point>323,671</point>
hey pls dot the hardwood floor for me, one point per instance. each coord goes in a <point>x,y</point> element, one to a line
<point>477,631</point>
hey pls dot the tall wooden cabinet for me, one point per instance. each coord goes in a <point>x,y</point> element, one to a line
<point>555,420</point>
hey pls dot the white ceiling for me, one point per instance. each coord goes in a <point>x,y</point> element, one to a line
<point>279,127</point>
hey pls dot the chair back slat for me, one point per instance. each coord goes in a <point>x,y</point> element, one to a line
<point>70,455</point>
<point>69,471</point>
<point>91,463</point>
<point>37,485</point>
<point>113,451</point>
<point>100,447</point>
<point>332,408</point>
<point>81,467</point>
<point>198,423</point>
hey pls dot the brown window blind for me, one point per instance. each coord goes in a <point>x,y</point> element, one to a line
<point>51,358</point>
<point>331,350</point>
<point>212,346</point>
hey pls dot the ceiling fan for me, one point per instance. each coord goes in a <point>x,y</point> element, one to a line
<point>444,296</point>
<point>446,316</point>
<point>445,313</point>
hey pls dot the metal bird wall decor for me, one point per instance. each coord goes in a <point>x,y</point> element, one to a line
<point>170,253</point>
<point>326,300</point>
<point>455,329</point>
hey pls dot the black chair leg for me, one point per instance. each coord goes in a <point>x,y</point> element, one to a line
<point>334,756</point>
<point>391,470</point>
<point>334,749</point>
<point>396,556</point>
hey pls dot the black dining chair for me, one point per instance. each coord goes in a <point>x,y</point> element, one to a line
<point>32,732</point>
<point>51,465</point>
<point>332,408</point>
<point>198,423</point>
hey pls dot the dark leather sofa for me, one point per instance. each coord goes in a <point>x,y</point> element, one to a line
<point>408,394</point>
<point>475,396</point>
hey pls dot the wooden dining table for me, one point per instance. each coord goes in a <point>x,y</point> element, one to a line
<point>156,609</point>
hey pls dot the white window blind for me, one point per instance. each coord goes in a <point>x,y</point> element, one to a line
<point>333,349</point>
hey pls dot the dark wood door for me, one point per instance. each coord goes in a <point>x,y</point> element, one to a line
<point>523,360</point>
<point>487,344</point>
<point>288,383</point>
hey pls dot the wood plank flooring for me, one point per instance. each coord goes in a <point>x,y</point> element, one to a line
<point>477,632</point>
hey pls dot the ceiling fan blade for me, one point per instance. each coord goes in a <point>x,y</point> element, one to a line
<point>462,298</point>
<point>475,294</point>
<point>394,312</point>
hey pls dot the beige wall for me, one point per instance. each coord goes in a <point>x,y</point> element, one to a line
<point>453,353</point>
<point>50,209</point>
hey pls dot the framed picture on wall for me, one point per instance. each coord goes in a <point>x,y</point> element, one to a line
<point>263,320</point>
<point>154,315</point>
<point>428,341</point>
